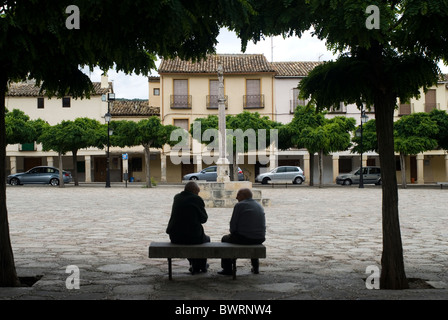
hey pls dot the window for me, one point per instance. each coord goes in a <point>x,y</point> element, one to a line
<point>156,91</point>
<point>430,100</point>
<point>40,103</point>
<point>210,169</point>
<point>180,98</point>
<point>253,97</point>
<point>136,164</point>
<point>281,169</point>
<point>181,123</point>
<point>295,101</point>
<point>375,171</point>
<point>66,102</point>
<point>292,169</point>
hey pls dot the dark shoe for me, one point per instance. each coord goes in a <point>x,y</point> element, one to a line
<point>205,269</point>
<point>225,272</point>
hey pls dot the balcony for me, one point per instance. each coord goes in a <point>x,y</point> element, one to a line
<point>212,101</point>
<point>254,101</point>
<point>405,109</point>
<point>338,108</point>
<point>180,101</point>
<point>296,102</point>
<point>430,106</point>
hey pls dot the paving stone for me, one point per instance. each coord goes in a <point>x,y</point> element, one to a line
<point>319,244</point>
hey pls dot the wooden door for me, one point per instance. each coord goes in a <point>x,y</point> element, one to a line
<point>99,173</point>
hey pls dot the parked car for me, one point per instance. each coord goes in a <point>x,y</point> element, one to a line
<point>41,174</point>
<point>209,174</point>
<point>371,174</point>
<point>291,173</point>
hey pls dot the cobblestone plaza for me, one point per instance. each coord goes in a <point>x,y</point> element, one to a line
<point>320,241</point>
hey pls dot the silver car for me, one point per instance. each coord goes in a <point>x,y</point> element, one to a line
<point>209,174</point>
<point>282,173</point>
<point>39,175</point>
<point>370,175</point>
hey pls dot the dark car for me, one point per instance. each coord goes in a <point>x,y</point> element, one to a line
<point>370,175</point>
<point>209,174</point>
<point>39,175</point>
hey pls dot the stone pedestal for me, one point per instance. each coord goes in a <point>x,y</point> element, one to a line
<point>223,194</point>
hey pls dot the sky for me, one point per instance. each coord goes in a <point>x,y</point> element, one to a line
<point>306,48</point>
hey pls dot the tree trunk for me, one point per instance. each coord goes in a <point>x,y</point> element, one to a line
<point>75,167</point>
<point>61,175</point>
<point>321,165</point>
<point>392,266</point>
<point>403,170</point>
<point>147,165</point>
<point>8,274</point>
<point>311,169</point>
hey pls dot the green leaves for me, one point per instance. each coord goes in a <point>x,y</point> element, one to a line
<point>147,132</point>
<point>415,133</point>
<point>73,135</point>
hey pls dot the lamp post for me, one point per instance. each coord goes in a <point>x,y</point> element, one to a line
<point>364,119</point>
<point>108,117</point>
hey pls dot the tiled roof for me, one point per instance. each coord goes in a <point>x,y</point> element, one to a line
<point>231,63</point>
<point>129,108</point>
<point>29,89</point>
<point>294,68</point>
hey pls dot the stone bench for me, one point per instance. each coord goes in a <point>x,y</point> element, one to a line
<point>206,250</point>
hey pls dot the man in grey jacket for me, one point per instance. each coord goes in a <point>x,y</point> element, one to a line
<point>247,226</point>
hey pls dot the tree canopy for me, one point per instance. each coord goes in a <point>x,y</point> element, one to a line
<point>394,59</point>
<point>149,133</point>
<point>35,43</point>
<point>246,131</point>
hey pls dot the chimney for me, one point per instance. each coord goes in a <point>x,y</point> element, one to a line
<point>104,81</point>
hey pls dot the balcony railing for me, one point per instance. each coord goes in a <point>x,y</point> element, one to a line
<point>296,102</point>
<point>405,109</point>
<point>430,106</point>
<point>255,101</point>
<point>338,108</point>
<point>180,101</point>
<point>212,101</point>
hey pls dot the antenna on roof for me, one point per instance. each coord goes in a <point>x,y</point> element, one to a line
<point>272,49</point>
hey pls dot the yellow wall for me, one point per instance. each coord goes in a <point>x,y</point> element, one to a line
<point>198,88</point>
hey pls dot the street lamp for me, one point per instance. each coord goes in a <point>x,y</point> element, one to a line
<point>364,119</point>
<point>107,118</point>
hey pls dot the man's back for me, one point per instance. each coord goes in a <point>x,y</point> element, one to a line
<point>248,219</point>
<point>187,216</point>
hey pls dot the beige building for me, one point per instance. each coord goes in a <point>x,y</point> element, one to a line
<point>430,166</point>
<point>190,90</point>
<point>25,96</point>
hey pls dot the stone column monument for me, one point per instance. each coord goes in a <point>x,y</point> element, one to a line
<point>222,193</point>
<point>223,163</point>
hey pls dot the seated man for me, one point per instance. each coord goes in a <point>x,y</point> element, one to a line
<point>247,226</point>
<point>185,224</point>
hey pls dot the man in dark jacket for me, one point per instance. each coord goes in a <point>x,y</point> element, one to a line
<point>247,226</point>
<point>185,224</point>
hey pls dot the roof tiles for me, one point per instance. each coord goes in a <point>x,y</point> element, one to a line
<point>231,63</point>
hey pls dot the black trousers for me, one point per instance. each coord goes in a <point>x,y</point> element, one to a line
<point>226,264</point>
<point>198,265</point>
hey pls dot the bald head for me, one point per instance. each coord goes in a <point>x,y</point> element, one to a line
<point>192,187</point>
<point>244,194</point>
